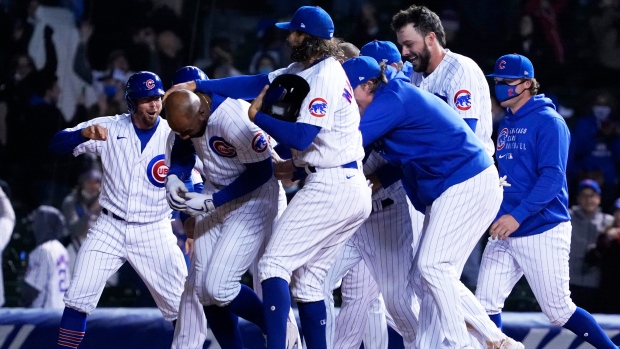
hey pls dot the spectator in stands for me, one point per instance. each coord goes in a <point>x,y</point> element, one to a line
<point>169,59</point>
<point>7,223</point>
<point>605,28</point>
<point>588,223</point>
<point>47,277</point>
<point>222,60</point>
<point>607,253</point>
<point>142,53</point>
<point>270,51</point>
<point>595,146</point>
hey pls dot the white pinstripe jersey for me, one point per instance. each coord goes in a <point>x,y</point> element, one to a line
<point>7,223</point>
<point>230,141</point>
<point>459,81</point>
<point>372,164</point>
<point>133,180</point>
<point>331,106</point>
<point>48,273</point>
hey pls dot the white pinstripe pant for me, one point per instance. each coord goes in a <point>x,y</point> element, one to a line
<point>453,225</point>
<point>542,258</point>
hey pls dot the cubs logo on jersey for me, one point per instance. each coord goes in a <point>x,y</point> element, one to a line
<point>260,142</point>
<point>318,107</point>
<point>157,170</point>
<point>221,147</point>
<point>462,100</point>
<point>501,139</point>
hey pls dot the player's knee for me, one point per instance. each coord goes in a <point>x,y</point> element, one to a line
<point>430,270</point>
<point>559,314</point>
<point>219,292</point>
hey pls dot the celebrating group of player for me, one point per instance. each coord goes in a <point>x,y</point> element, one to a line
<point>423,142</point>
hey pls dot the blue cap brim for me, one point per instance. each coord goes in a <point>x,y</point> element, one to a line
<point>506,76</point>
<point>284,25</point>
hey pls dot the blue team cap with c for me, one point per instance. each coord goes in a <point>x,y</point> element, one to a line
<point>312,20</point>
<point>513,66</point>
<point>361,69</point>
<point>589,183</point>
<point>382,51</point>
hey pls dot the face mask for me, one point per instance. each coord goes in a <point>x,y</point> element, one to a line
<point>504,92</point>
<point>109,90</point>
<point>601,112</point>
<point>88,196</point>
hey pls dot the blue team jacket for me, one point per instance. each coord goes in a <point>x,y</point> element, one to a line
<point>419,132</point>
<point>532,150</point>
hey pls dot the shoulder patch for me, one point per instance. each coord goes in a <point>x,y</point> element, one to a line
<point>501,138</point>
<point>318,107</point>
<point>260,143</point>
<point>462,100</point>
<point>157,170</point>
<point>222,148</point>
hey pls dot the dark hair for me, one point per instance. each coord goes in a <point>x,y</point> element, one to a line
<point>381,79</point>
<point>315,47</point>
<point>423,20</point>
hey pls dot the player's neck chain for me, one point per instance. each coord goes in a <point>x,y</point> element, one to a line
<point>206,101</point>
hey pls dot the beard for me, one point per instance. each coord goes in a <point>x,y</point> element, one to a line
<point>302,52</point>
<point>423,60</point>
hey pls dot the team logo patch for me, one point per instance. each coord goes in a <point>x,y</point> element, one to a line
<point>502,64</point>
<point>501,139</point>
<point>156,171</point>
<point>462,100</point>
<point>222,148</point>
<point>150,84</point>
<point>260,143</point>
<point>512,91</point>
<point>318,107</point>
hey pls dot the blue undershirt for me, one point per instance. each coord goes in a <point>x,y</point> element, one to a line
<point>145,135</point>
<point>237,87</point>
<point>472,123</point>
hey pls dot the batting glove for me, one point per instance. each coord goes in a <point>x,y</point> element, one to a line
<point>175,192</point>
<point>503,182</point>
<point>198,204</point>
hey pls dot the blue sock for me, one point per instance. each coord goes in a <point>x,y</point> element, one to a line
<point>248,306</point>
<point>225,326</point>
<point>276,305</point>
<point>497,319</point>
<point>584,326</point>
<point>312,317</point>
<point>72,328</point>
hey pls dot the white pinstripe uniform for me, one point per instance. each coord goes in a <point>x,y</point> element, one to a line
<point>460,82</point>
<point>48,273</point>
<point>334,201</point>
<point>7,223</point>
<point>387,242</point>
<point>136,227</point>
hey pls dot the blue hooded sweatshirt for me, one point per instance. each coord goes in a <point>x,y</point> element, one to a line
<point>532,150</point>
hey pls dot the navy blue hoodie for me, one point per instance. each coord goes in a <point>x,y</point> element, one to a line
<point>532,150</point>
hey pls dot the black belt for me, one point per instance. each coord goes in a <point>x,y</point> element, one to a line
<point>385,204</point>
<point>108,213</point>
<point>352,164</point>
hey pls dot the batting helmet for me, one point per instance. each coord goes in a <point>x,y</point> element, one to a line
<point>284,97</point>
<point>142,84</point>
<point>188,73</point>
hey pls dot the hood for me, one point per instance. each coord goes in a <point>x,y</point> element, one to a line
<point>536,102</point>
<point>47,224</point>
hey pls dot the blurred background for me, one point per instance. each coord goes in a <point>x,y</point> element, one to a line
<point>63,62</point>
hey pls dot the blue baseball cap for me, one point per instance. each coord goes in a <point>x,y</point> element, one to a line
<point>589,183</point>
<point>312,20</point>
<point>513,66</point>
<point>361,69</point>
<point>382,51</point>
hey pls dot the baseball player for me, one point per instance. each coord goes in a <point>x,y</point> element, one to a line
<point>532,231</point>
<point>7,223</point>
<point>326,142</point>
<point>386,242</point>
<point>454,183</point>
<point>134,225</point>
<point>47,277</point>
<point>237,163</point>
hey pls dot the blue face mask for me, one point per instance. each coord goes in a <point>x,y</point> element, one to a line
<point>265,70</point>
<point>504,92</point>
<point>109,90</point>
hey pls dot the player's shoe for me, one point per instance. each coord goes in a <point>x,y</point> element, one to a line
<point>509,343</point>
<point>292,336</point>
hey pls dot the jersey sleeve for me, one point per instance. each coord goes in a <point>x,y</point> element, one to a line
<point>37,275</point>
<point>380,117</point>
<point>252,143</point>
<point>320,104</point>
<point>91,146</point>
<point>464,94</point>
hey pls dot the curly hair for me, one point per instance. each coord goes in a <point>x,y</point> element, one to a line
<point>423,20</point>
<point>315,47</point>
<point>380,79</point>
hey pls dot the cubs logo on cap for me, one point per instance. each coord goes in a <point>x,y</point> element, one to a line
<point>157,170</point>
<point>222,148</point>
<point>501,138</point>
<point>318,107</point>
<point>312,20</point>
<point>513,66</point>
<point>150,84</point>
<point>462,100</point>
<point>260,143</point>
